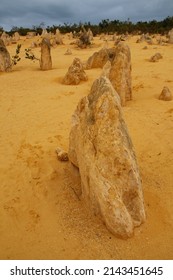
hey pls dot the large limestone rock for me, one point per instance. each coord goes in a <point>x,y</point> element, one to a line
<point>166,94</point>
<point>75,73</point>
<point>100,146</point>
<point>99,59</point>
<point>106,69</point>
<point>5,60</point>
<point>120,73</point>
<point>46,60</point>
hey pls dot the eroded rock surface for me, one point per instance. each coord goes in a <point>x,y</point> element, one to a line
<point>75,73</point>
<point>5,60</point>
<point>84,38</point>
<point>99,59</point>
<point>101,148</point>
<point>120,73</point>
<point>106,69</point>
<point>46,60</point>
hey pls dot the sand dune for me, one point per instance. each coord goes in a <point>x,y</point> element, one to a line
<point>41,214</point>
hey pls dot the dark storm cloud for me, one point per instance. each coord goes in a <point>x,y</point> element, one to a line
<point>33,12</point>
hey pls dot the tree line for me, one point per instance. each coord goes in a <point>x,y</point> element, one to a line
<point>105,26</point>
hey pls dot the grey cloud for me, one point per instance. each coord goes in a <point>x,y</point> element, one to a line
<point>32,12</point>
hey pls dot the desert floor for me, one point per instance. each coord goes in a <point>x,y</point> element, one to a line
<point>41,217</point>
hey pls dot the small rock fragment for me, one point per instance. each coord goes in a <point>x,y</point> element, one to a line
<point>61,154</point>
<point>156,57</point>
<point>166,94</point>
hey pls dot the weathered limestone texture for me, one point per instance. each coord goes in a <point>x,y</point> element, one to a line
<point>100,146</point>
<point>85,38</point>
<point>5,60</point>
<point>46,60</point>
<point>99,59</point>
<point>106,69</point>
<point>75,73</point>
<point>120,73</point>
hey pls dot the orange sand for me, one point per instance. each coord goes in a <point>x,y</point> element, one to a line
<point>41,217</point>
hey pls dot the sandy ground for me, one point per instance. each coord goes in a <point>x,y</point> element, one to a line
<point>41,214</point>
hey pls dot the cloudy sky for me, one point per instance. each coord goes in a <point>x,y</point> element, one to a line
<point>27,13</point>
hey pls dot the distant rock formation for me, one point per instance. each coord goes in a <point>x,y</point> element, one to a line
<point>145,38</point>
<point>156,57</point>
<point>6,39</point>
<point>114,37</point>
<point>124,37</point>
<point>170,36</point>
<point>70,36</point>
<point>46,60</point>
<point>75,73</point>
<point>16,37</point>
<point>90,34</point>
<point>84,39</point>
<point>46,35</point>
<point>141,39</point>
<point>30,34</point>
<point>68,52</point>
<point>58,37</point>
<point>99,59</point>
<point>120,73</point>
<point>34,45</point>
<point>5,60</point>
<point>100,146</point>
<point>166,94</point>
